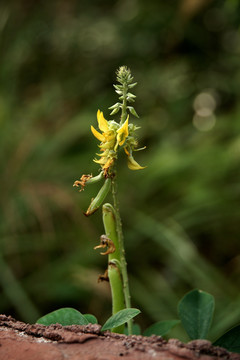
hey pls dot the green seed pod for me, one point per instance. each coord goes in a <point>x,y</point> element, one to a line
<point>95,178</point>
<point>98,200</point>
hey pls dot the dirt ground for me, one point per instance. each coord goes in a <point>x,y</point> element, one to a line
<point>20,341</point>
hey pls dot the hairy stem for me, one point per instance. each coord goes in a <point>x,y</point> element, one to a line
<point>124,104</point>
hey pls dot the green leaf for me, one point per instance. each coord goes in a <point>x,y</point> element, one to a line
<point>121,317</point>
<point>161,327</point>
<point>91,318</point>
<point>230,340</point>
<point>64,316</point>
<point>196,311</point>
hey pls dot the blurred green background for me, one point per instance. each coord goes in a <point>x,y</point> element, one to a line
<point>181,214</point>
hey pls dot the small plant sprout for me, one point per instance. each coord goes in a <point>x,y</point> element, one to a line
<point>114,136</point>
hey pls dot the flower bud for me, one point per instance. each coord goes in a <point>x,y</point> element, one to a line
<point>133,165</point>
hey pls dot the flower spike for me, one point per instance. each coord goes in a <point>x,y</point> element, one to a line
<point>113,135</point>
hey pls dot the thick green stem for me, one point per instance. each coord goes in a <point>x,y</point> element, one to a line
<point>115,280</point>
<point>109,222</point>
<point>121,251</point>
<point>114,263</point>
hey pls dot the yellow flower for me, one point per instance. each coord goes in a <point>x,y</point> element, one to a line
<point>108,135</point>
<point>108,141</point>
<point>103,126</point>
<point>112,136</point>
<point>102,122</point>
<point>132,163</point>
<point>97,134</point>
<point>122,133</point>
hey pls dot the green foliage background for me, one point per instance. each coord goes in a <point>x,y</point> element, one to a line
<point>180,215</point>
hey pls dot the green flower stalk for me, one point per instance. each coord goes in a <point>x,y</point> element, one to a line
<point>113,137</point>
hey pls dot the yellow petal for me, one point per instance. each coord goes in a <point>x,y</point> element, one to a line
<point>122,133</point>
<point>133,165</point>
<point>101,161</point>
<point>102,122</point>
<point>97,134</point>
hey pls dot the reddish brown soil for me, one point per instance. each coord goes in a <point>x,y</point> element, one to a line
<point>20,341</point>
